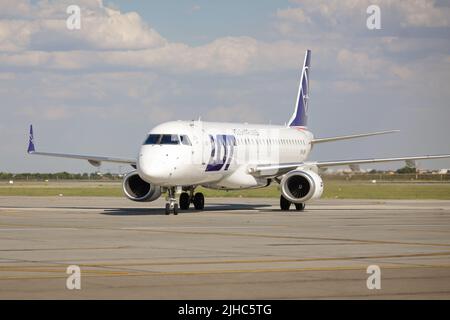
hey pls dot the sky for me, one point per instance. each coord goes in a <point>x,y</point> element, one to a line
<point>133,64</point>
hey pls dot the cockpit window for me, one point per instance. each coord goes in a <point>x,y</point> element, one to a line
<point>152,139</point>
<point>185,140</point>
<point>170,139</point>
<point>162,139</point>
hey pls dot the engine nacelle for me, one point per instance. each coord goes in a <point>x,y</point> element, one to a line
<point>137,189</point>
<point>299,186</point>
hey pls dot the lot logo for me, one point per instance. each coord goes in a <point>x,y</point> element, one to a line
<point>374,280</point>
<point>222,150</point>
<point>74,279</point>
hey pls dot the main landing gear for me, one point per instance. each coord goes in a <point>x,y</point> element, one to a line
<point>285,204</point>
<point>186,198</point>
<point>198,199</point>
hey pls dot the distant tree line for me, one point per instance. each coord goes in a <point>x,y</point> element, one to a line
<point>406,169</point>
<point>58,176</point>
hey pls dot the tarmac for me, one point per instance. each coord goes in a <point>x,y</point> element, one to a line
<point>236,248</point>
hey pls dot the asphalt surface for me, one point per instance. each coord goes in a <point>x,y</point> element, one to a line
<point>236,249</point>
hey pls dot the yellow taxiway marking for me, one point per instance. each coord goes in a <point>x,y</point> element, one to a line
<point>190,273</point>
<point>57,270</point>
<point>237,234</point>
<point>255,235</point>
<point>32,268</point>
<point>277,260</point>
<point>64,249</point>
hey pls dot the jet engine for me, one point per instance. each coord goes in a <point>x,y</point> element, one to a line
<point>137,189</point>
<point>299,186</point>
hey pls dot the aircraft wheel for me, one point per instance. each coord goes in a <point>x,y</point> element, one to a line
<point>199,201</point>
<point>285,204</point>
<point>184,201</point>
<point>299,206</point>
<point>167,212</point>
<point>175,209</point>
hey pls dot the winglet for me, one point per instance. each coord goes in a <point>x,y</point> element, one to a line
<point>31,148</point>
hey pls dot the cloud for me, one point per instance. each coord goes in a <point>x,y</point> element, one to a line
<point>234,113</point>
<point>17,8</point>
<point>7,76</point>
<point>230,55</point>
<point>402,72</point>
<point>360,64</point>
<point>102,28</point>
<point>45,113</point>
<point>112,40</point>
<point>347,86</point>
<point>14,35</point>
<point>350,53</point>
<point>195,8</point>
<point>56,113</point>
<point>423,13</point>
<point>341,13</point>
<point>116,77</point>
<point>107,29</point>
<point>293,14</point>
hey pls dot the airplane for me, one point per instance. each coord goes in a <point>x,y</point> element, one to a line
<point>178,156</point>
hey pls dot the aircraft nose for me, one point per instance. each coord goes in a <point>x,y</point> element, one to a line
<point>153,166</point>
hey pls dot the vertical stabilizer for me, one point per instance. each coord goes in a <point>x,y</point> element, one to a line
<point>299,117</point>
<point>31,148</point>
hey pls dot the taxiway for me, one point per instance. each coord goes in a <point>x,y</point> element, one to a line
<point>236,249</point>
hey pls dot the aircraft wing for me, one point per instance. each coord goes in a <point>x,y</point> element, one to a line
<point>353,136</point>
<point>279,169</point>
<point>94,160</point>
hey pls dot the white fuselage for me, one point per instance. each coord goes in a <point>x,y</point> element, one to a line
<point>217,155</point>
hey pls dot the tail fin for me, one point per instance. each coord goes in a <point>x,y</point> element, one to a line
<point>31,148</point>
<point>299,117</point>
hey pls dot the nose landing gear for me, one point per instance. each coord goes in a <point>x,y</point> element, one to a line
<point>171,204</point>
